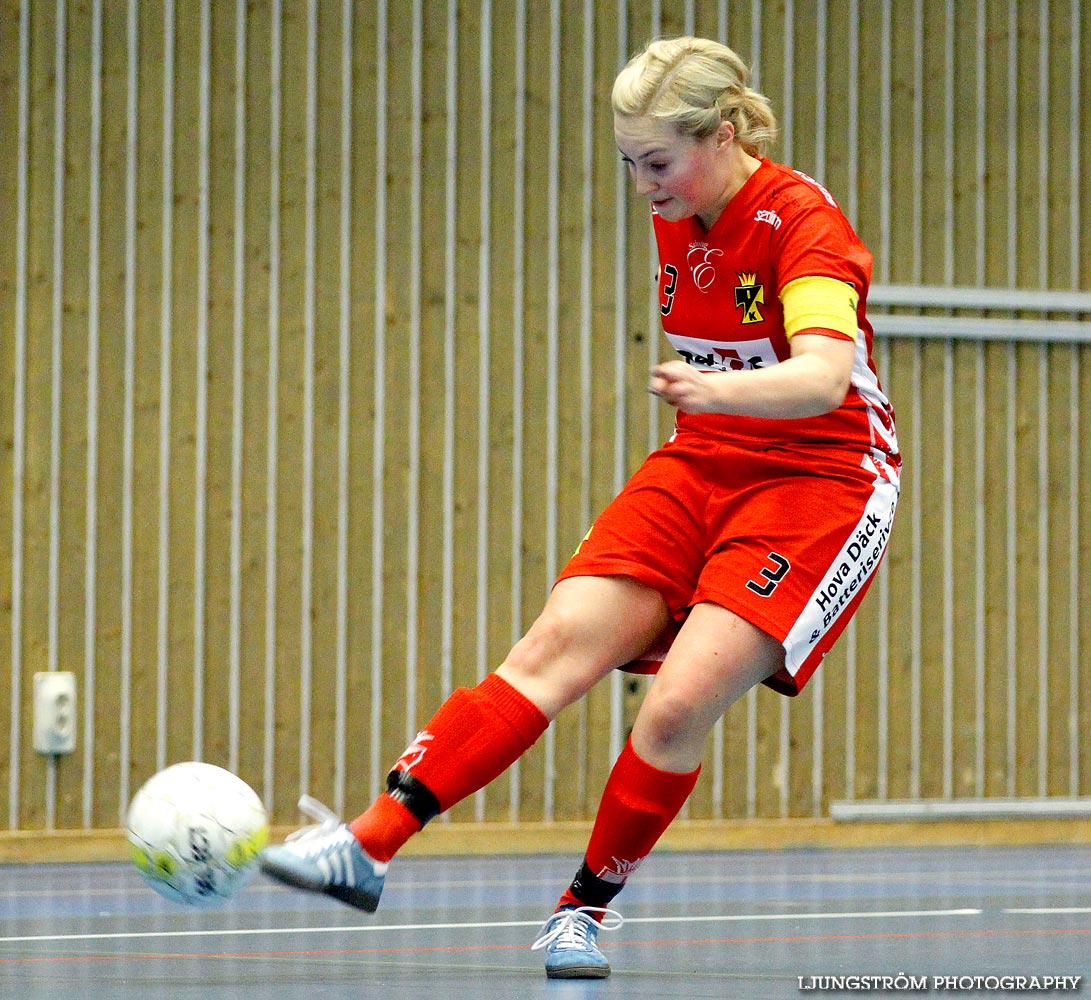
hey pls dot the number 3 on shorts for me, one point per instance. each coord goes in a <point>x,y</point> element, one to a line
<point>772,576</point>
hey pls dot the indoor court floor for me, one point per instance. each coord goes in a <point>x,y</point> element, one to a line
<point>742,924</point>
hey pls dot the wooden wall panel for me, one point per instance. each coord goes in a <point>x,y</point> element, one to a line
<point>33,771</point>
<point>9,396</point>
<point>103,754</point>
<point>434,370</point>
<point>951,180</point>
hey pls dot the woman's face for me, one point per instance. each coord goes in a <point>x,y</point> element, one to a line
<point>681,176</point>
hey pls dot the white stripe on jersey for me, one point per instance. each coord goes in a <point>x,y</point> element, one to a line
<point>884,439</point>
<point>854,564</point>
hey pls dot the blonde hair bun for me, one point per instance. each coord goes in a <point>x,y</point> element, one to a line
<point>695,84</point>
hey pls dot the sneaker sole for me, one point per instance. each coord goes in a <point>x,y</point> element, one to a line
<point>579,972</point>
<point>354,897</point>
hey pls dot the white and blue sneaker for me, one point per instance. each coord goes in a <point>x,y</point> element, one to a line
<point>326,858</point>
<point>570,939</point>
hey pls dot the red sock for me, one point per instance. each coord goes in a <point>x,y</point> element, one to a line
<point>638,804</point>
<point>475,736</point>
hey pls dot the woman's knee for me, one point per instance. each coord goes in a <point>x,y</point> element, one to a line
<point>541,646</point>
<point>668,721</point>
<point>547,664</point>
<point>588,627</point>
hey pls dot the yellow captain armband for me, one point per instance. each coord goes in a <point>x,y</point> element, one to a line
<point>819,302</point>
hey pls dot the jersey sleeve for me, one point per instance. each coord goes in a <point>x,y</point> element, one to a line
<point>816,240</point>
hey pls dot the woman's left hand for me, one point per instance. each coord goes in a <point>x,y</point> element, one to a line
<point>683,386</point>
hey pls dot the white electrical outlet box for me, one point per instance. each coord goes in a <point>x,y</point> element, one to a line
<point>54,712</point>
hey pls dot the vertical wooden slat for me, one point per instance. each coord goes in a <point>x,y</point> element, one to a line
<point>326,713</point>
<point>272,410</point>
<point>238,390</point>
<point>997,634</point>
<point>77,382</point>
<point>307,444</point>
<point>413,430</point>
<point>344,368</point>
<point>379,400</point>
<point>1011,564</point>
<point>559,382</point>
<point>1044,152</point>
<point>1077,522</point>
<point>219,314</point>
<point>291,214</point>
<point>91,539</point>
<point>467,334</point>
<point>1024,556</point>
<point>947,583</point>
<point>962,568</point>
<point>147,289</point>
<point>1076,576</point>
<point>900,776</point>
<point>503,596</point>
<point>38,45</point>
<point>183,730</point>
<point>517,187</point>
<point>1062,689</point>
<point>200,386</point>
<point>105,772</point>
<point>450,312</point>
<point>55,368</point>
<point>1078,154</point>
<point>537,791</point>
<point>948,475</point>
<point>131,120</point>
<point>978,654</point>
<point>484,361</point>
<point>1044,567</point>
<point>1082,620</point>
<point>360,754</point>
<point>252,234</point>
<point>980,177</point>
<point>163,642</point>
<point>885,670</point>
<point>434,370</point>
<point>14,179</point>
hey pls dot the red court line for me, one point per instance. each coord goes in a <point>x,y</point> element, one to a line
<point>330,953</point>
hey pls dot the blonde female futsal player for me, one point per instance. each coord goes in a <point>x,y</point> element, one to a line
<point>756,528</point>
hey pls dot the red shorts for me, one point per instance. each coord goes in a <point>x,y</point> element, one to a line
<point>787,540</point>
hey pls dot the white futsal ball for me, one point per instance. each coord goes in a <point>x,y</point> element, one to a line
<point>195,831</point>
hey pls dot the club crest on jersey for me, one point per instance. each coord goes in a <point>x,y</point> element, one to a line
<point>748,296</point>
<point>699,258</point>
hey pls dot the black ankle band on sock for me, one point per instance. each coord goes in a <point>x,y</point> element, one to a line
<point>412,793</point>
<point>591,890</point>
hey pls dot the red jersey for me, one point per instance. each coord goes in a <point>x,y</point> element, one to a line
<point>719,296</point>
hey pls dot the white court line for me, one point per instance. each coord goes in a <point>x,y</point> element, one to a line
<point>1013,879</point>
<point>371,928</point>
<point>1049,909</point>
